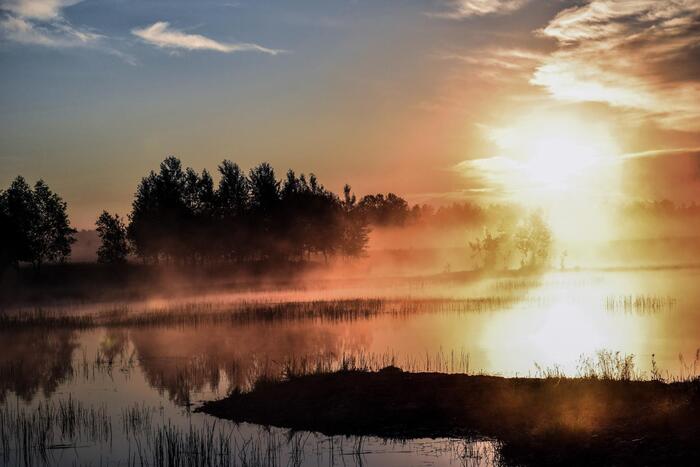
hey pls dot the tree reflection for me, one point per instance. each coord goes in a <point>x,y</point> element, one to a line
<point>35,359</point>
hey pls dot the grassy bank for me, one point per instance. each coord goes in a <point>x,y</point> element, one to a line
<point>539,421</point>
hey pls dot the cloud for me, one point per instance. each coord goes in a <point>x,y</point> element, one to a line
<point>41,22</point>
<point>162,35</point>
<point>499,64</point>
<point>57,34</point>
<point>459,9</point>
<point>635,54</point>
<point>36,9</point>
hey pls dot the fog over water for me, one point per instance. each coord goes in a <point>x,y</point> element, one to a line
<point>511,326</point>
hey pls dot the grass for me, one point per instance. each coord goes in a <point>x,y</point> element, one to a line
<point>639,303</point>
<point>28,436</point>
<point>49,434</point>
<point>198,313</point>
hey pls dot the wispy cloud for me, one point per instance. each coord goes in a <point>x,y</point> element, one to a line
<point>459,9</point>
<point>636,54</point>
<point>54,34</point>
<point>661,152</point>
<point>499,64</point>
<point>162,35</point>
<point>41,22</point>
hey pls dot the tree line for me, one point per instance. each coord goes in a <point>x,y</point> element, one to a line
<point>180,215</point>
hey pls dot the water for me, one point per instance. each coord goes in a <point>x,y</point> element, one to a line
<point>162,372</point>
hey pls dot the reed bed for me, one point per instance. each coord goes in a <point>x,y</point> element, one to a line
<point>193,314</point>
<point>639,303</point>
<point>28,436</point>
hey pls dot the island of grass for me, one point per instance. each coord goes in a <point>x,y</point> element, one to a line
<point>538,421</point>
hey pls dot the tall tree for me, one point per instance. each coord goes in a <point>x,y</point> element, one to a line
<point>21,215</point>
<point>35,226</point>
<point>356,231</point>
<point>232,204</point>
<point>114,248</point>
<point>53,233</point>
<point>264,206</point>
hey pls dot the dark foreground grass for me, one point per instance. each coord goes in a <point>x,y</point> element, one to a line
<point>540,421</point>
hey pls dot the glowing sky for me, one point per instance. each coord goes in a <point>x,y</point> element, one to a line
<point>437,100</point>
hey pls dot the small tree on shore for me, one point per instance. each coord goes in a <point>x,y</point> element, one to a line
<point>113,234</point>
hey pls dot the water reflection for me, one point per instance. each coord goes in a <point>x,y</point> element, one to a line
<point>31,361</point>
<point>181,361</point>
<point>555,320</point>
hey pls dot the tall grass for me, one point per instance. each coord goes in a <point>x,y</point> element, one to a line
<point>639,303</point>
<point>28,436</point>
<point>192,314</point>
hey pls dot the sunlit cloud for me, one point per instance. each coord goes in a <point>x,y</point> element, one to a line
<point>162,35</point>
<point>458,9</point>
<point>499,64</point>
<point>636,54</point>
<point>661,153</point>
<point>37,9</point>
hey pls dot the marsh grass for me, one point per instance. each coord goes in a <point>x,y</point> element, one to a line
<point>29,435</point>
<point>639,303</point>
<point>200,313</point>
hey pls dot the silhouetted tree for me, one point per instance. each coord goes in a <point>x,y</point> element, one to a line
<point>232,202</point>
<point>113,234</point>
<point>53,234</point>
<point>391,210</point>
<point>35,225</point>
<point>20,217</point>
<point>200,207</point>
<point>160,213</point>
<point>356,231</point>
<point>177,214</point>
<point>264,206</point>
<point>143,226</point>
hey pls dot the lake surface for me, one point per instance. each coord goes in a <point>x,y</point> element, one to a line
<point>125,383</point>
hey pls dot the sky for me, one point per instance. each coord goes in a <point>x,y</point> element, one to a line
<point>436,100</point>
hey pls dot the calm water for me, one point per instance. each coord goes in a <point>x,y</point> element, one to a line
<point>163,371</point>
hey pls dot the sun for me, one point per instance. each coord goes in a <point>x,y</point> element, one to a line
<point>561,162</point>
<point>559,153</point>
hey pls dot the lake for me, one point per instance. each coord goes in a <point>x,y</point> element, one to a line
<point>120,389</point>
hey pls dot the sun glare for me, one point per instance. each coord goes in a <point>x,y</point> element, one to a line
<point>562,163</point>
<point>555,153</point>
